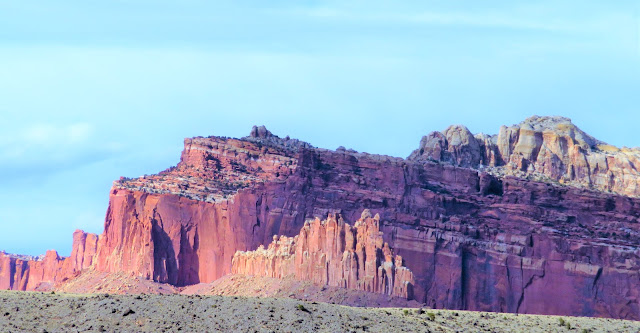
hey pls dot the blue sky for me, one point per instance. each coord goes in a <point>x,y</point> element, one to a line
<point>94,90</point>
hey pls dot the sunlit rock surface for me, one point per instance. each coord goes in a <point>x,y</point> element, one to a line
<point>541,218</point>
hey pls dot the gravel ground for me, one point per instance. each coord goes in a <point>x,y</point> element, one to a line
<point>49,312</point>
<point>261,286</point>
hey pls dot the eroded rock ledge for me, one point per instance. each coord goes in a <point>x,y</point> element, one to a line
<point>550,149</point>
<point>212,169</point>
<point>332,253</point>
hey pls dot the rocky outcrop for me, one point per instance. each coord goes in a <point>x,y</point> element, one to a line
<point>44,272</point>
<point>456,145</point>
<point>83,251</point>
<point>471,239</point>
<point>332,253</point>
<point>540,148</point>
<point>474,237</point>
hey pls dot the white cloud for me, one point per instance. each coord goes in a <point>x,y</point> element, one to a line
<point>41,148</point>
<point>79,132</point>
<point>542,16</point>
<point>498,20</point>
<point>47,135</point>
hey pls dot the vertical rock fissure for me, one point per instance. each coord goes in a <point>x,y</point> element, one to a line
<point>529,282</point>
<point>165,266</point>
<point>12,272</point>
<point>594,287</point>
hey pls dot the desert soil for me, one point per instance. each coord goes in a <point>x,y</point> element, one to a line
<point>59,312</point>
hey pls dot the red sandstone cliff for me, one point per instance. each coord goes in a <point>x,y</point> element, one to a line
<point>332,253</point>
<point>474,238</point>
<point>42,273</point>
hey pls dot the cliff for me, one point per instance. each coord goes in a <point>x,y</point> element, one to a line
<point>332,253</point>
<point>42,273</point>
<point>518,222</point>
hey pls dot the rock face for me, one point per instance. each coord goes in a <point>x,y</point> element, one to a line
<point>42,273</point>
<point>491,229</point>
<point>332,253</point>
<point>541,148</point>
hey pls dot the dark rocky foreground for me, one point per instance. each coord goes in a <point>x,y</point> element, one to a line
<point>49,312</point>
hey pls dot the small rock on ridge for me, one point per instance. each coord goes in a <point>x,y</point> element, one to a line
<point>260,132</point>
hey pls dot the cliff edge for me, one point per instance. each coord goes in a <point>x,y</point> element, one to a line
<point>540,218</point>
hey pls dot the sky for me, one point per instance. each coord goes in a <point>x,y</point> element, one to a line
<point>94,90</point>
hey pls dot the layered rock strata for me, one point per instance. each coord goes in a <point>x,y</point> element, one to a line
<point>332,253</point>
<point>475,238</point>
<point>541,148</point>
<point>42,273</point>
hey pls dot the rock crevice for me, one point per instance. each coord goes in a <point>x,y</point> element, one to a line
<point>333,253</point>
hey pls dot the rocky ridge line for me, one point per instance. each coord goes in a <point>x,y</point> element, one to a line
<point>213,169</point>
<point>472,240</point>
<point>549,149</point>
